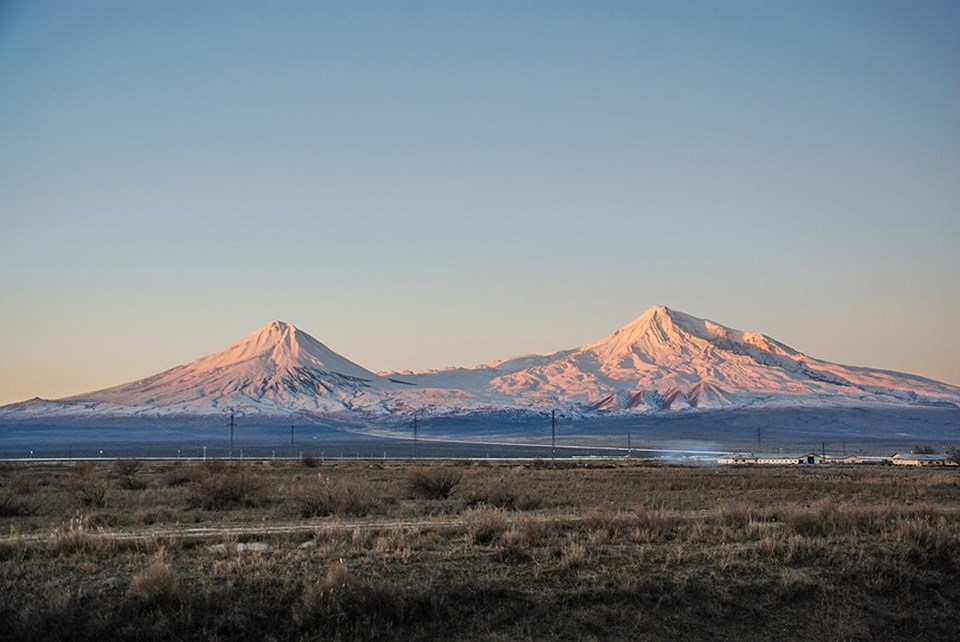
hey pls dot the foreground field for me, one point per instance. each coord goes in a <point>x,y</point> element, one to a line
<point>358,550</point>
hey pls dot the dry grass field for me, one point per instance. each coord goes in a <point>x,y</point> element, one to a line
<point>393,550</point>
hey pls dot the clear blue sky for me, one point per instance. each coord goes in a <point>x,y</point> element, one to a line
<point>424,184</point>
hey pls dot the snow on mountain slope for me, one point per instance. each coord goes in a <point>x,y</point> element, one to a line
<point>663,360</point>
<point>276,370</point>
<point>668,360</point>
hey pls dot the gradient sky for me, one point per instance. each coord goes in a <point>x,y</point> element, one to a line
<point>425,184</point>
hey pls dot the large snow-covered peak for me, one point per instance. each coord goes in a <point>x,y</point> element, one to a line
<point>657,330</point>
<point>660,332</point>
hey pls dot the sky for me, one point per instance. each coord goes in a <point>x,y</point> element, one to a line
<point>422,184</point>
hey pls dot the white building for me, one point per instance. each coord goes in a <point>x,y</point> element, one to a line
<point>914,459</point>
<point>782,459</point>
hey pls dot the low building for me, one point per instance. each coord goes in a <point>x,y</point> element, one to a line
<point>781,459</point>
<point>917,459</point>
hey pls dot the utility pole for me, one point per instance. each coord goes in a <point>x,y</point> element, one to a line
<point>416,431</point>
<point>291,441</point>
<point>844,442</point>
<point>233,424</point>
<point>823,449</point>
<point>553,434</point>
<point>629,447</point>
<point>758,440</point>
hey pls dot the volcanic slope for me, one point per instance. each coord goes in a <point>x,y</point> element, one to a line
<point>662,361</point>
<point>668,360</point>
<point>277,370</point>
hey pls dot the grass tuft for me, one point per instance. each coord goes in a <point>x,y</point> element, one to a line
<point>332,496</point>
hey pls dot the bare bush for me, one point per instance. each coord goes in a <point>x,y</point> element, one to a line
<point>221,487</point>
<point>12,504</point>
<point>327,496</point>
<point>125,470</point>
<point>309,460</point>
<point>503,493</point>
<point>88,488</point>
<point>954,455</point>
<point>182,475</point>
<point>433,483</point>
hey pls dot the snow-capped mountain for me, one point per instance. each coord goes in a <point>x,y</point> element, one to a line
<point>662,361</point>
<point>277,370</point>
<point>668,360</point>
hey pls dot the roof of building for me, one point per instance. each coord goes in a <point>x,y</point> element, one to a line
<point>919,456</point>
<point>771,455</point>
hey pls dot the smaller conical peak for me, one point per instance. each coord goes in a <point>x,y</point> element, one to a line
<point>275,327</point>
<point>285,347</point>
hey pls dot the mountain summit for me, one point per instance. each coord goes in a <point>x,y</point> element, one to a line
<point>280,346</point>
<point>663,360</point>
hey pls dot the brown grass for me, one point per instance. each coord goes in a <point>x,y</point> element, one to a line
<point>325,496</point>
<point>155,585</point>
<point>611,551</point>
<point>485,524</point>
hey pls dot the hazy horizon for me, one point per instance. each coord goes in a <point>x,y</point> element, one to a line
<point>423,185</point>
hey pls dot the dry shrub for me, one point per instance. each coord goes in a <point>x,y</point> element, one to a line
<point>507,494</point>
<point>12,504</point>
<point>328,496</point>
<point>87,487</point>
<point>309,460</point>
<point>433,483</point>
<point>150,516</point>
<point>219,487</point>
<point>156,585</point>
<point>125,470</point>
<point>181,475</point>
<point>24,483</point>
<point>485,524</point>
<point>342,606</point>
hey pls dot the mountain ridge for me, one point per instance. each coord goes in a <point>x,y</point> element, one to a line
<point>661,361</point>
